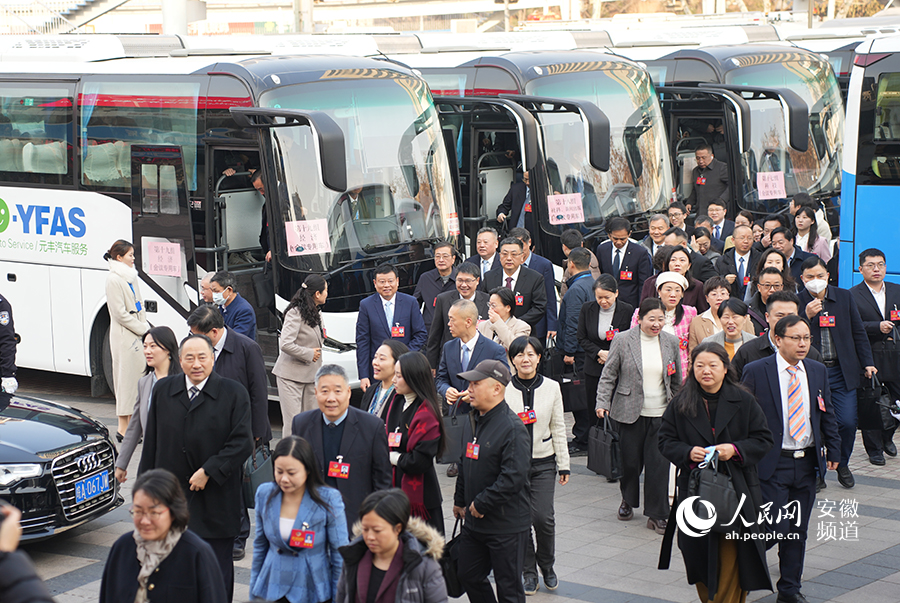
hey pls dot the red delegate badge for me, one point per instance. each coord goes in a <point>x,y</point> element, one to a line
<point>528,417</point>
<point>682,343</point>
<point>746,280</point>
<point>472,451</point>
<point>394,439</point>
<point>826,321</point>
<point>611,333</point>
<point>302,539</point>
<point>398,331</point>
<point>821,401</point>
<point>528,206</point>
<point>625,275</point>
<point>339,468</point>
<point>520,300</point>
<point>670,368</point>
<point>701,180</point>
<point>895,314</point>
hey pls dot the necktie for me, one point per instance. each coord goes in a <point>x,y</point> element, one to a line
<point>617,262</point>
<point>484,267</point>
<point>520,223</point>
<point>796,415</point>
<point>389,312</point>
<point>192,393</point>
<point>740,274</point>
<point>718,232</point>
<point>509,283</point>
<point>465,357</point>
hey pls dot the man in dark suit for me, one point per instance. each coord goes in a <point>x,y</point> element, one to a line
<point>657,226</point>
<point>526,284</point>
<point>486,242</point>
<point>710,181</point>
<point>737,264</point>
<point>783,240</point>
<point>627,262</point>
<point>794,395</point>
<point>838,333</point>
<point>516,205</point>
<point>702,268</point>
<point>351,445</point>
<point>198,427</point>
<point>878,303</point>
<point>434,282</point>
<point>779,305</point>
<point>239,358</point>
<point>721,227</point>
<point>550,324</point>
<point>386,314</point>
<point>238,313</point>
<point>466,288</point>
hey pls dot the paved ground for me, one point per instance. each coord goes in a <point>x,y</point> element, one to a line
<point>598,557</point>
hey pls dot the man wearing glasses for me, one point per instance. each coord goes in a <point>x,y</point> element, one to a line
<point>434,282</point>
<point>737,264</point>
<point>768,281</point>
<point>467,279</point>
<point>879,308</point>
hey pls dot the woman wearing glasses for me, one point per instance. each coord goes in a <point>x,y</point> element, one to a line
<point>161,560</point>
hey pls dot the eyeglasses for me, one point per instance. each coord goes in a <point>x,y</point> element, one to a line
<point>510,254</point>
<point>873,266</point>
<point>442,256</point>
<point>140,514</point>
<point>799,338</point>
<point>466,281</point>
<point>771,287</point>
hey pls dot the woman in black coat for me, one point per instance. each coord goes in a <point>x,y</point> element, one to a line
<point>161,560</point>
<point>713,410</point>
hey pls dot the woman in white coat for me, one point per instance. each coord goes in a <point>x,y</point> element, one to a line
<point>127,325</point>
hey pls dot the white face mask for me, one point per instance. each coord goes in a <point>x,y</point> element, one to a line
<point>816,286</point>
<point>219,298</point>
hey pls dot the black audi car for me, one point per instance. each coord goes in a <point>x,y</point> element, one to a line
<point>57,465</point>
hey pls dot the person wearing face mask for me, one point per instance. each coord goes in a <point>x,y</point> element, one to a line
<point>839,334</point>
<point>237,311</point>
<point>642,374</point>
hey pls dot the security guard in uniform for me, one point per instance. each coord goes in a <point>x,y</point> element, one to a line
<point>7,348</point>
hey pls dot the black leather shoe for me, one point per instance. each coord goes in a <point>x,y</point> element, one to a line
<point>576,450</point>
<point>531,585</point>
<point>890,448</point>
<point>238,552</point>
<point>820,484</point>
<point>550,579</point>
<point>798,598</point>
<point>625,512</point>
<point>452,470</point>
<point>876,459</point>
<point>845,478</point>
<point>658,525</point>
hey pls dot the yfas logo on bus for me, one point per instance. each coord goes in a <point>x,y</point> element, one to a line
<point>44,219</point>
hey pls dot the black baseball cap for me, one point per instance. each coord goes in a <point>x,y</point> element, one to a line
<point>488,369</point>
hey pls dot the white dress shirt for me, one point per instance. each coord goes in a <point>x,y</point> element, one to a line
<point>880,298</point>
<point>221,345</point>
<point>515,278</point>
<point>471,345</point>
<point>199,386</point>
<point>789,443</point>
<point>393,302</point>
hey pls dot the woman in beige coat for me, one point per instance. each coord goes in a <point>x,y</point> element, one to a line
<point>302,336</point>
<point>127,325</point>
<point>502,327</point>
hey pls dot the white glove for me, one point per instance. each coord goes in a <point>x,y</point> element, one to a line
<point>395,456</point>
<point>9,385</point>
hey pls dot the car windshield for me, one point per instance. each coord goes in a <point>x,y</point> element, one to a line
<point>398,178</point>
<point>818,169</point>
<point>640,173</point>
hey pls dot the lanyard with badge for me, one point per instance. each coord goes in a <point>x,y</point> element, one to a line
<point>304,538</point>
<point>339,468</point>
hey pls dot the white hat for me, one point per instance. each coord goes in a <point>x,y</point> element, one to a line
<point>671,277</point>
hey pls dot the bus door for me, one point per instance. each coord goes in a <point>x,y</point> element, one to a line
<point>236,209</point>
<point>164,244</point>
<point>503,141</point>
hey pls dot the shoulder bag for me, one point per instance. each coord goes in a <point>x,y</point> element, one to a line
<point>604,454</point>
<point>257,470</point>
<point>449,563</point>
<point>714,487</point>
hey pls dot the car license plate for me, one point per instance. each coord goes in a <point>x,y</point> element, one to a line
<point>92,486</point>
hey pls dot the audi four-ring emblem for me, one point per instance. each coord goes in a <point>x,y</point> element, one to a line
<point>88,462</point>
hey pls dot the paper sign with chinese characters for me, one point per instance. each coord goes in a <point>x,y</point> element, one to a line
<point>565,209</point>
<point>305,237</point>
<point>453,223</point>
<point>164,259</point>
<point>770,185</point>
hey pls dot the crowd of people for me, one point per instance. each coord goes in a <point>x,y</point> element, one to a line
<point>723,341</point>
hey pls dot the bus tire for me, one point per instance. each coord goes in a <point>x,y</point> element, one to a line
<point>101,357</point>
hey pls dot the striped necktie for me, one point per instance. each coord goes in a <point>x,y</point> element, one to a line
<point>796,414</point>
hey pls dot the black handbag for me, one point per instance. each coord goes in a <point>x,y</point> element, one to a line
<point>887,358</point>
<point>604,453</point>
<point>552,364</point>
<point>453,433</point>
<point>874,405</point>
<point>450,564</point>
<point>573,393</point>
<point>257,470</point>
<point>714,487</point>
<point>264,288</point>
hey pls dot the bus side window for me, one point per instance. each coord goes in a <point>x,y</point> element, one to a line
<point>35,134</point>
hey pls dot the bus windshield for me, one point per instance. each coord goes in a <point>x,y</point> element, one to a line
<point>816,171</point>
<point>398,178</point>
<point>640,171</point>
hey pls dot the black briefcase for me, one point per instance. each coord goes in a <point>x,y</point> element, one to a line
<point>873,404</point>
<point>264,288</point>
<point>453,432</point>
<point>715,488</point>
<point>887,358</point>
<point>573,393</point>
<point>552,364</point>
<point>256,471</point>
<point>604,453</point>
<point>449,565</point>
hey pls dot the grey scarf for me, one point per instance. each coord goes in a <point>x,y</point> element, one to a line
<point>150,553</point>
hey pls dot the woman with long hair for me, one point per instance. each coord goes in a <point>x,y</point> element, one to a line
<point>538,402</point>
<point>806,229</point>
<point>642,374</point>
<point>302,337</point>
<point>375,399</point>
<point>670,290</point>
<point>416,436</point>
<point>161,354</point>
<point>394,557</point>
<point>723,569</point>
<point>300,523</point>
<point>161,560</point>
<point>128,323</point>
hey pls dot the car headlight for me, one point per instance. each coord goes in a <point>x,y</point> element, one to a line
<point>10,474</point>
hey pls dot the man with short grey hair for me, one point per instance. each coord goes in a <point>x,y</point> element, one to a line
<point>238,313</point>
<point>657,225</point>
<point>351,445</point>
